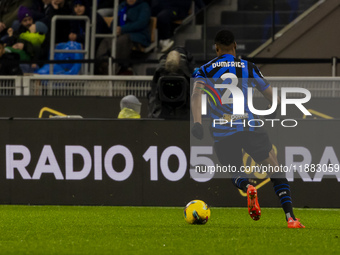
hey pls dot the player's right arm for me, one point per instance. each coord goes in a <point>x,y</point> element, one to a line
<point>196,104</point>
<point>196,101</point>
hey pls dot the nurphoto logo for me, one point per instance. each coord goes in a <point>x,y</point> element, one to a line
<point>234,96</point>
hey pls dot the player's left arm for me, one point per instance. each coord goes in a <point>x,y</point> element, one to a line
<point>268,94</point>
<point>266,90</point>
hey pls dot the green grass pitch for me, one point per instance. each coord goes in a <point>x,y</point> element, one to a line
<point>162,230</point>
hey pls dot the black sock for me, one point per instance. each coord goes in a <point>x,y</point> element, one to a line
<point>282,190</point>
<point>241,182</point>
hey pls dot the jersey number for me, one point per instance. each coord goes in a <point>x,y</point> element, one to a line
<point>230,88</point>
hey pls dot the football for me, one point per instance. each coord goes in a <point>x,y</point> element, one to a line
<point>196,212</point>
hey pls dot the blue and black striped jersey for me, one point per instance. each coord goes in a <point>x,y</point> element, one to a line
<point>229,71</point>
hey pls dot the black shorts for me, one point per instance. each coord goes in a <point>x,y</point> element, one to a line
<point>255,143</point>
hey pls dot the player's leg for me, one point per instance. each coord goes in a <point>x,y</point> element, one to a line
<point>282,190</point>
<point>281,186</point>
<point>229,152</point>
<point>241,181</point>
<point>260,149</point>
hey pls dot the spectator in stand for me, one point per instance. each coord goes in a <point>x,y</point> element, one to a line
<point>8,13</point>
<point>27,36</point>
<point>82,7</point>
<point>132,31</point>
<point>8,66</point>
<point>39,8</point>
<point>58,7</point>
<point>167,12</point>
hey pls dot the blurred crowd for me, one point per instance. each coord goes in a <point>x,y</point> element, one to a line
<point>25,27</point>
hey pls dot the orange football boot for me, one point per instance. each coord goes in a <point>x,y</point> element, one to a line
<point>253,204</point>
<point>294,223</point>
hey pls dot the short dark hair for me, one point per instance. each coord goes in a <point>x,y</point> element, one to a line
<point>2,42</point>
<point>224,37</point>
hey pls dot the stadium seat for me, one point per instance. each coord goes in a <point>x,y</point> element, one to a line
<point>153,37</point>
<point>64,68</point>
<point>191,15</point>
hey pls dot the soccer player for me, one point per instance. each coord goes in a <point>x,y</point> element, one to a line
<point>229,140</point>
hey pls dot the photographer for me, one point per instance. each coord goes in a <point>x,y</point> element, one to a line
<point>170,89</point>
